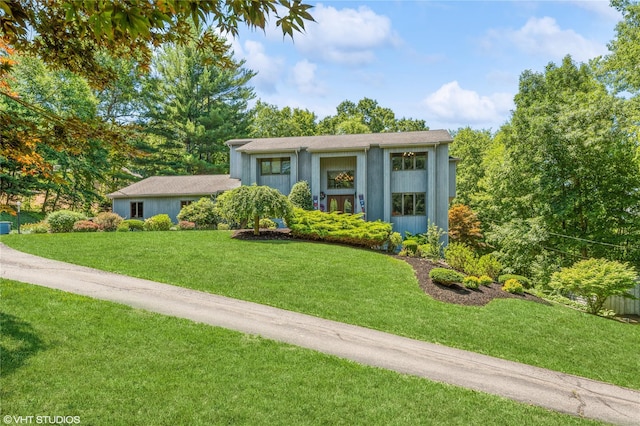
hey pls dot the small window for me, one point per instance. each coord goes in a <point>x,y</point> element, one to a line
<point>338,179</point>
<point>275,166</point>
<point>185,203</point>
<point>408,204</point>
<point>408,161</point>
<point>137,211</point>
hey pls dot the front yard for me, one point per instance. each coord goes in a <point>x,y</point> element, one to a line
<point>358,287</point>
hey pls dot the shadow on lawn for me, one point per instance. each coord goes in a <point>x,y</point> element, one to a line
<point>19,342</point>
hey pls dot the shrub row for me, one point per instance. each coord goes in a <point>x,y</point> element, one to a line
<point>339,228</point>
<point>462,258</point>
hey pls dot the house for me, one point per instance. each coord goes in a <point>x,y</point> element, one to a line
<point>167,194</point>
<point>405,178</point>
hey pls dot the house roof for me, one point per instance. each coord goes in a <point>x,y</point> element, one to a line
<point>341,142</point>
<point>171,186</point>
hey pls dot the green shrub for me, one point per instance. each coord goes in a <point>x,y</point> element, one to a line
<point>63,220</point>
<point>123,227</point>
<point>107,221</point>
<point>471,282</point>
<point>513,286</point>
<point>459,257</point>
<point>202,212</point>
<point>85,226</point>
<point>487,265</point>
<point>595,280</point>
<point>159,222</point>
<point>41,227</point>
<point>526,282</point>
<point>395,241</point>
<point>410,247</point>
<point>185,225</point>
<point>267,224</point>
<point>339,228</point>
<point>223,227</point>
<point>445,276</point>
<point>432,245</point>
<point>134,224</point>
<point>485,280</point>
<point>300,195</point>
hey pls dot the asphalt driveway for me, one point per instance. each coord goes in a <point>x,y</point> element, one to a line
<point>532,385</point>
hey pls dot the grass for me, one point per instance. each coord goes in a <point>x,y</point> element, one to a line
<point>68,355</point>
<point>358,287</point>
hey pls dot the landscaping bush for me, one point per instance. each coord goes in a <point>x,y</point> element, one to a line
<point>410,247</point>
<point>300,195</point>
<point>107,221</point>
<point>123,227</point>
<point>203,213</point>
<point>446,276</point>
<point>340,228</point>
<point>485,280</point>
<point>185,225</point>
<point>471,282</point>
<point>595,280</point>
<point>395,241</point>
<point>267,224</point>
<point>526,282</point>
<point>134,224</point>
<point>63,220</point>
<point>223,227</point>
<point>85,226</point>
<point>459,256</point>
<point>487,265</point>
<point>41,227</point>
<point>513,286</point>
<point>159,222</point>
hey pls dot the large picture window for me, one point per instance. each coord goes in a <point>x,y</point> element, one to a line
<point>137,211</point>
<point>409,161</point>
<point>275,166</point>
<point>338,179</point>
<point>408,204</point>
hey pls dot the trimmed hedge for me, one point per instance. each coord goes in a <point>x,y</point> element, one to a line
<point>513,286</point>
<point>63,220</point>
<point>108,221</point>
<point>446,276</point>
<point>526,282</point>
<point>85,226</point>
<point>339,228</point>
<point>133,224</point>
<point>159,222</point>
<point>471,282</point>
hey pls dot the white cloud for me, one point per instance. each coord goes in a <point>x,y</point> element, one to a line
<point>346,36</point>
<point>270,69</point>
<point>304,77</point>
<point>453,104</point>
<point>544,37</point>
<point>601,8</point>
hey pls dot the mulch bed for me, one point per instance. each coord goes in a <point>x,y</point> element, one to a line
<point>455,294</point>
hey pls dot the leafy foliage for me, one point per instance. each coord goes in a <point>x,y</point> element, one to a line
<point>41,227</point>
<point>513,286</point>
<point>85,226</point>
<point>485,280</point>
<point>300,195</point>
<point>395,241</point>
<point>202,212</point>
<point>133,224</point>
<point>340,228</point>
<point>159,222</point>
<point>595,280</point>
<point>63,220</point>
<point>459,256</point>
<point>185,225</point>
<point>252,203</point>
<point>526,282</point>
<point>108,221</point>
<point>464,226</point>
<point>471,282</point>
<point>446,276</point>
<point>267,224</point>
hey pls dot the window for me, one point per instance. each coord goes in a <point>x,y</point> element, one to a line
<point>408,161</point>
<point>338,179</point>
<point>185,203</point>
<point>275,166</point>
<point>136,210</point>
<point>408,204</point>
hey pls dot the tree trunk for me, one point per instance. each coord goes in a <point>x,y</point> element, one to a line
<point>256,225</point>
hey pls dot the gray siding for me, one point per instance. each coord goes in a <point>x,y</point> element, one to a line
<point>304,166</point>
<point>153,206</point>
<point>453,165</point>
<point>443,189</point>
<point>280,182</point>
<point>375,183</point>
<point>235,163</point>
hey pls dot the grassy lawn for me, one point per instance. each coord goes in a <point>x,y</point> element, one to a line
<point>357,287</point>
<point>68,355</point>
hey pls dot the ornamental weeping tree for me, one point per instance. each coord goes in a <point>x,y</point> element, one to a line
<point>253,203</point>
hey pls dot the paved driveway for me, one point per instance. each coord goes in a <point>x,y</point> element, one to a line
<point>524,383</point>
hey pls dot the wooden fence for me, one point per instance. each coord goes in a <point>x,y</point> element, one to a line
<point>622,305</point>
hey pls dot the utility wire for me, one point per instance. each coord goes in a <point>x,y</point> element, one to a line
<point>589,241</point>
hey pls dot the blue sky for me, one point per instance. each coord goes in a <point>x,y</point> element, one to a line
<point>450,63</point>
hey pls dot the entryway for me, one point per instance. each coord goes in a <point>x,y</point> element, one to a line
<point>341,203</point>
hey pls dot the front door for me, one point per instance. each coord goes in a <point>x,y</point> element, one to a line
<point>341,203</point>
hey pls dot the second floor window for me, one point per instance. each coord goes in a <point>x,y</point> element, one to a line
<point>408,161</point>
